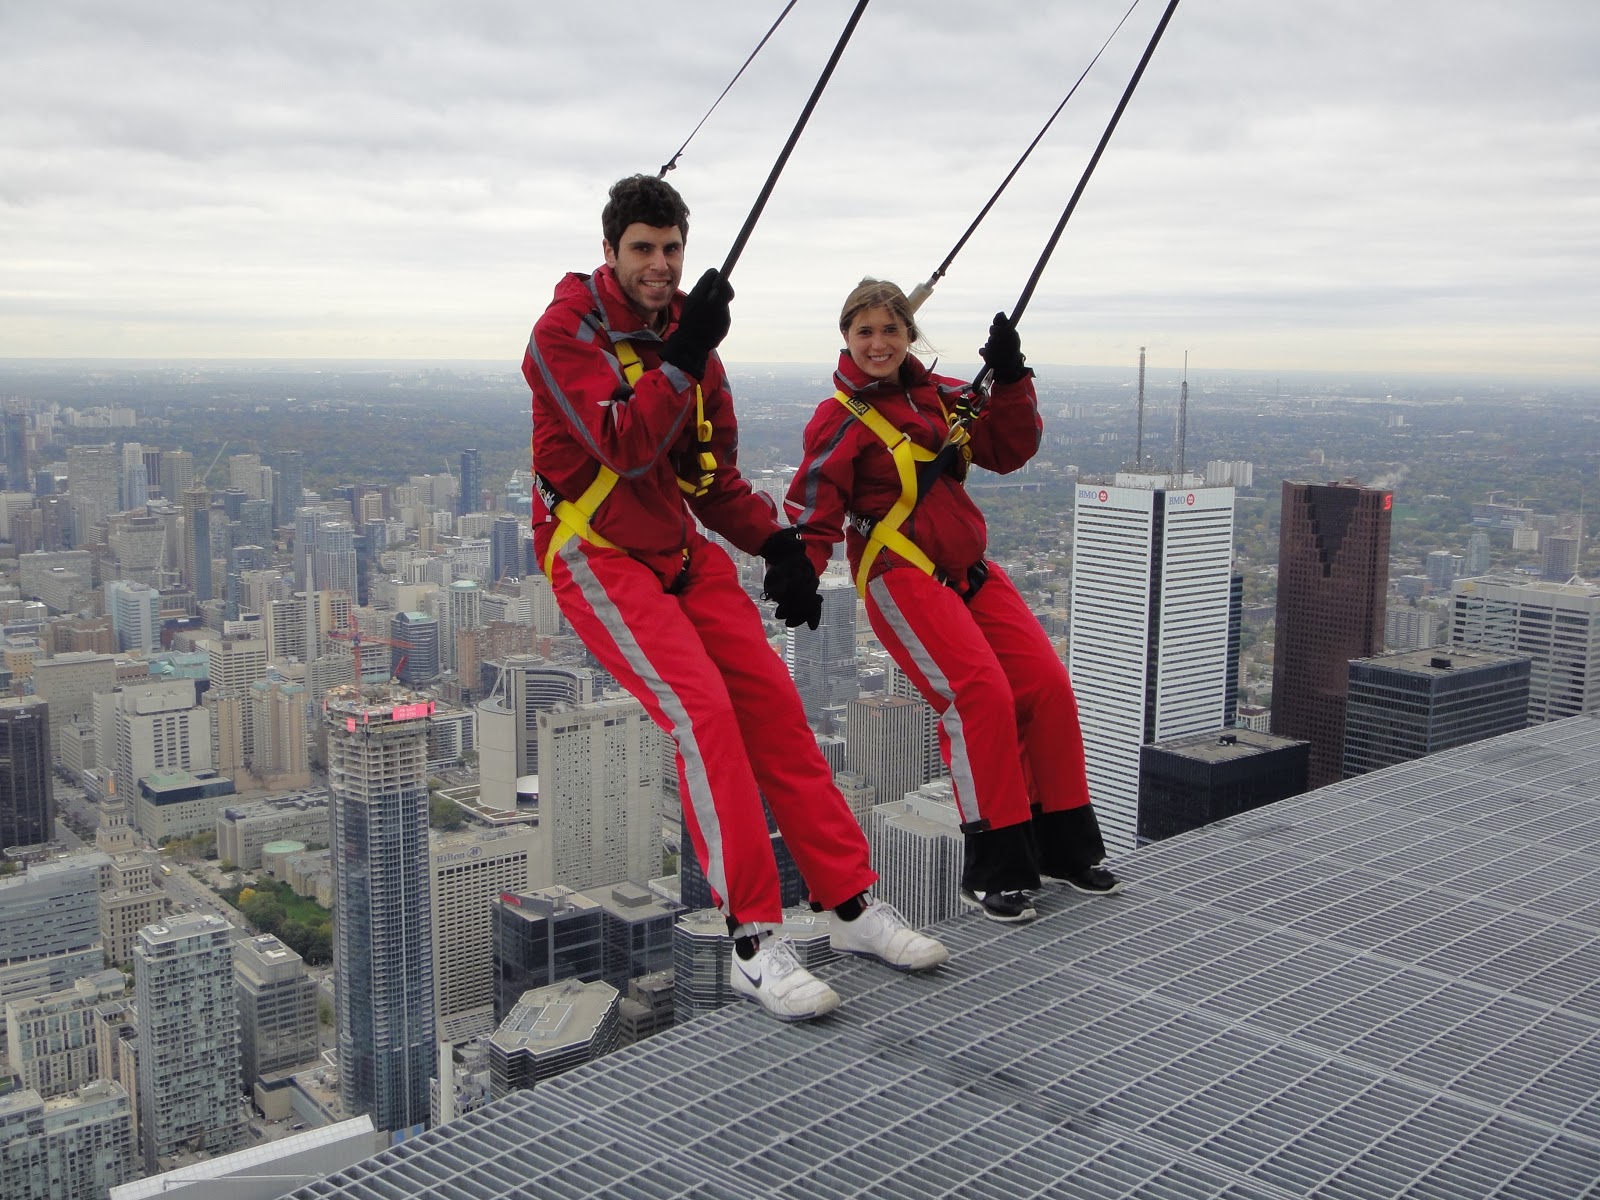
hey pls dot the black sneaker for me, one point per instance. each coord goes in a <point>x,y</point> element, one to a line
<point>1096,880</point>
<point>1010,907</point>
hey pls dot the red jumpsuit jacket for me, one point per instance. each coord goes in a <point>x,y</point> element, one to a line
<point>849,471</point>
<point>586,414</point>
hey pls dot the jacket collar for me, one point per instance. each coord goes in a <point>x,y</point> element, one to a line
<point>620,319</point>
<point>853,381</point>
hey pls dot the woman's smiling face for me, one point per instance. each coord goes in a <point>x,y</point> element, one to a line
<point>877,342</point>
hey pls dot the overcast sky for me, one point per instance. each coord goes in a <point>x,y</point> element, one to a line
<point>1366,185</point>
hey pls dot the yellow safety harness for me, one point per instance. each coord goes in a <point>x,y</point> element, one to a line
<point>885,532</point>
<point>574,517</point>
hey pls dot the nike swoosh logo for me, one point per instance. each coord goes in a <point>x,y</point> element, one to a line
<point>755,979</point>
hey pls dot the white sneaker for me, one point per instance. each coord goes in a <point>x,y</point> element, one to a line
<point>881,932</point>
<point>774,979</point>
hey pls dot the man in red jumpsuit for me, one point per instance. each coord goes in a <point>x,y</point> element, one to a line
<point>633,439</point>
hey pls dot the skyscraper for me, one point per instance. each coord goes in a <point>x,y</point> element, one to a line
<point>135,612</point>
<point>505,547</point>
<point>197,541</point>
<point>1333,574</point>
<point>286,497</point>
<point>822,661</point>
<point>188,1038</point>
<point>1151,601</point>
<point>469,870</point>
<point>333,558</point>
<point>177,474</point>
<point>27,793</point>
<point>597,791</point>
<point>1557,625</point>
<point>94,486</point>
<point>508,721</point>
<point>470,498</point>
<point>16,447</point>
<point>885,743</point>
<point>378,796</point>
<point>1418,702</point>
<point>417,660</point>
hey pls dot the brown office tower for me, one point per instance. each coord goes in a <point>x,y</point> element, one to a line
<point>1333,571</point>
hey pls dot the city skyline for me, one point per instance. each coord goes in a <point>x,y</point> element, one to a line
<point>1359,188</point>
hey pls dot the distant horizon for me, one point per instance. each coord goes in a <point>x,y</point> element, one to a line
<point>1078,370</point>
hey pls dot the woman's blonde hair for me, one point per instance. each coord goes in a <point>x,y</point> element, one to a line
<point>880,293</point>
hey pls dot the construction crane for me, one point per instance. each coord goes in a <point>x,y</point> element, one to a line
<point>357,638</point>
<point>212,467</point>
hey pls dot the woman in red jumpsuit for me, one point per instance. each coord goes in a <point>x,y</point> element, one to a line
<point>952,620</point>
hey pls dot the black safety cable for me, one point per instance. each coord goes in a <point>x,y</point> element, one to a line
<point>672,163</point>
<point>794,137</point>
<point>931,470</point>
<point>925,289</point>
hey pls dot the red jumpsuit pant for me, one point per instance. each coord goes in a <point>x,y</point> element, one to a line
<point>697,658</point>
<point>1008,721</point>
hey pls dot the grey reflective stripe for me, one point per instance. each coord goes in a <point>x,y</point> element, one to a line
<point>573,420</point>
<point>960,760</point>
<point>814,475</point>
<point>678,379</point>
<point>694,767</point>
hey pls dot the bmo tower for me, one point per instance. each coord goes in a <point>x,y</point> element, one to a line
<point>1151,581</point>
<point>378,797</point>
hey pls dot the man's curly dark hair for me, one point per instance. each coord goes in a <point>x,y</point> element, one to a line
<point>645,199</point>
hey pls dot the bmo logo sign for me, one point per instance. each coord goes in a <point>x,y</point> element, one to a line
<point>1180,499</point>
<point>1098,495</point>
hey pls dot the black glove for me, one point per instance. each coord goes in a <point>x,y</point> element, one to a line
<point>1003,351</point>
<point>791,580</point>
<point>702,326</point>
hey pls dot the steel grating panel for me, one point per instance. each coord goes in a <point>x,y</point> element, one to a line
<point>1390,987</point>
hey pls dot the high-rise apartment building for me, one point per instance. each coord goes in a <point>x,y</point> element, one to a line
<point>1333,575</point>
<point>1556,625</point>
<point>333,558</point>
<point>50,926</point>
<point>383,950</point>
<point>278,740</point>
<point>27,785</point>
<point>1418,702</point>
<point>1409,628</point>
<point>822,661</point>
<point>277,1007</point>
<point>1152,572</point>
<point>461,610</point>
<point>69,1148</point>
<point>598,781</point>
<point>470,498</point>
<point>50,1039</point>
<point>189,1093</point>
<point>469,870</point>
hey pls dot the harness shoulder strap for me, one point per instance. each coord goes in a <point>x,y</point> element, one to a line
<point>907,454</point>
<point>574,517</point>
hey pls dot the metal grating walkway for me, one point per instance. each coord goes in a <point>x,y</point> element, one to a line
<point>1385,988</point>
